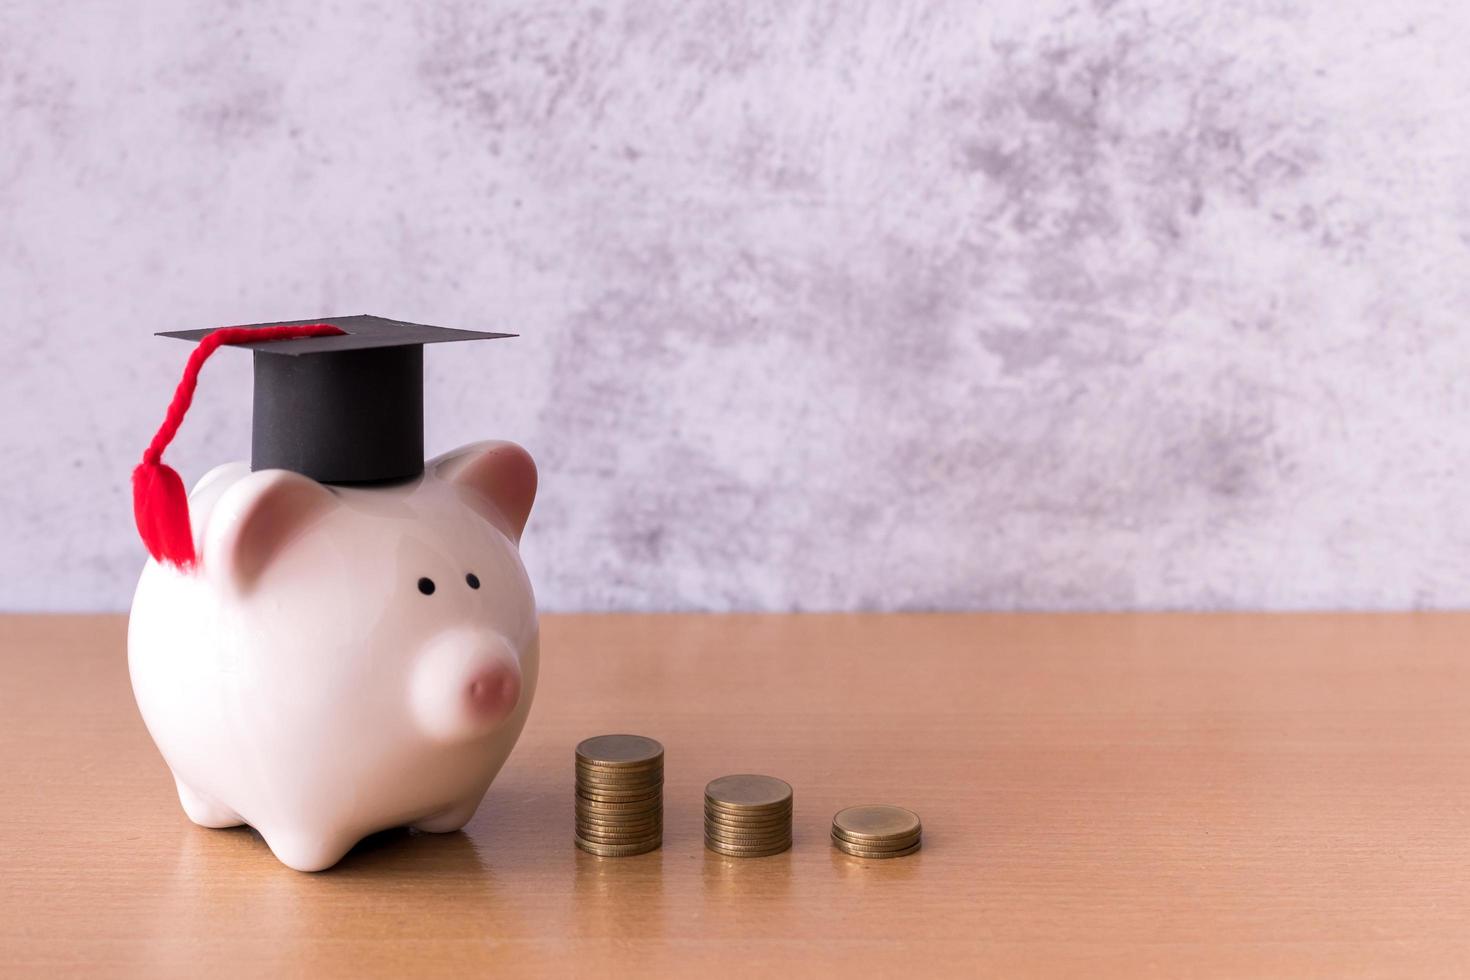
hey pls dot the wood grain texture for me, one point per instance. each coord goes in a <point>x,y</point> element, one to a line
<point>1161,795</point>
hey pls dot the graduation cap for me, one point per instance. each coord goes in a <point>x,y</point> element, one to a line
<point>339,399</point>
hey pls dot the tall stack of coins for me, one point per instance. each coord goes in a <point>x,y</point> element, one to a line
<point>747,816</point>
<point>620,795</point>
<point>876,831</point>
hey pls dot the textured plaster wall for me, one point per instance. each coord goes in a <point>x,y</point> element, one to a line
<point>824,304</point>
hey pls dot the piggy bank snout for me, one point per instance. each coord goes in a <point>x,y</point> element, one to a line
<point>464,687</point>
<point>493,691</point>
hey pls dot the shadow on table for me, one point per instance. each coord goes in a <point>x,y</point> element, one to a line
<point>399,851</point>
<point>228,891</point>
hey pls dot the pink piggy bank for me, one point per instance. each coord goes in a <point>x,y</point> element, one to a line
<point>343,659</point>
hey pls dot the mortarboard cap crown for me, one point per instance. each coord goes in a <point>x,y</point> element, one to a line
<point>342,408</point>
<point>337,399</point>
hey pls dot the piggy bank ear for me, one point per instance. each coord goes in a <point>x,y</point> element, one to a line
<point>254,519</point>
<point>502,474</point>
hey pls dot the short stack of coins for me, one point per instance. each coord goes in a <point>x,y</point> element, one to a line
<point>747,815</point>
<point>620,795</point>
<point>876,831</point>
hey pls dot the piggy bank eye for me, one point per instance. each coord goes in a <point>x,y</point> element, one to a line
<point>472,580</point>
<point>426,586</point>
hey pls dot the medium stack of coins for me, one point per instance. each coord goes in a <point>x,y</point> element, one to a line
<point>747,816</point>
<point>620,795</point>
<point>876,831</point>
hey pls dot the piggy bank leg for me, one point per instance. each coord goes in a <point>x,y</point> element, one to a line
<point>448,820</point>
<point>204,811</point>
<point>306,851</point>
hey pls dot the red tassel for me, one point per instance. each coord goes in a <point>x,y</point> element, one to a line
<point>160,505</point>
<point>161,508</point>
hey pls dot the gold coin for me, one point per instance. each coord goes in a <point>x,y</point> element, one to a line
<point>618,836</point>
<point>619,789</point>
<point>613,824</point>
<point>748,811</point>
<point>619,785</point>
<point>747,839</point>
<point>746,792</point>
<point>607,827</point>
<point>620,775</point>
<point>875,848</point>
<point>604,829</point>
<point>618,806</point>
<point>643,813</point>
<point>748,832</point>
<point>851,848</point>
<point>615,839</point>
<point>619,816</point>
<point>746,819</point>
<point>747,842</point>
<point>598,837</point>
<point>770,852</point>
<point>624,816</point>
<point>651,764</point>
<point>638,771</point>
<point>729,851</point>
<point>619,751</point>
<point>765,834</point>
<point>616,850</point>
<point>618,795</point>
<point>766,847</point>
<point>771,813</point>
<point>871,854</point>
<point>750,850</point>
<point>647,800</point>
<point>616,824</point>
<point>729,831</point>
<point>876,822</point>
<point>784,828</point>
<point>619,809</point>
<point>622,772</point>
<point>646,761</point>
<point>616,789</point>
<point>619,819</point>
<point>620,826</point>
<point>725,816</point>
<point>586,786</point>
<point>651,801</point>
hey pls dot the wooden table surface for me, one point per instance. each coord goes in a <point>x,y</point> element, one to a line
<point>1146,795</point>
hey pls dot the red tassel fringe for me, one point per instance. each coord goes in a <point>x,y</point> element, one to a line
<point>160,505</point>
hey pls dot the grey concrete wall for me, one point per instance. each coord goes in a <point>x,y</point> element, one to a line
<point>824,303</point>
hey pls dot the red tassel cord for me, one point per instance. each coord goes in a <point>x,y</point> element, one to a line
<point>160,505</point>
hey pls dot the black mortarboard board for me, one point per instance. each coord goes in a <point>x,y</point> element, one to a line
<point>347,408</point>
